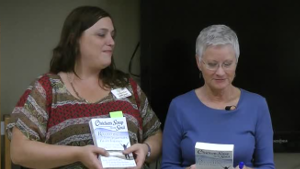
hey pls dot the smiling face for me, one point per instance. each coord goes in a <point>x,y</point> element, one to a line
<point>97,44</point>
<point>218,66</point>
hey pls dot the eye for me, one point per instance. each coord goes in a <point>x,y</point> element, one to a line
<point>227,64</point>
<point>212,64</point>
<point>101,35</point>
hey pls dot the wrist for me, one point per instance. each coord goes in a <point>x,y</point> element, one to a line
<point>148,150</point>
<point>77,153</point>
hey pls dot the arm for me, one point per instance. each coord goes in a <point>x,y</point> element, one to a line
<point>152,134</point>
<point>27,132</point>
<point>172,136</point>
<point>263,154</point>
<point>155,143</point>
<point>34,154</point>
<point>141,149</point>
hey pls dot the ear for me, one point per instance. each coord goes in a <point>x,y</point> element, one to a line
<point>198,62</point>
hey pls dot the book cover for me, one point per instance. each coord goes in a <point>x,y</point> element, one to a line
<point>214,156</point>
<point>112,135</point>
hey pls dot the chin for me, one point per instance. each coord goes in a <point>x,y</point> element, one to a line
<point>106,65</point>
<point>106,61</point>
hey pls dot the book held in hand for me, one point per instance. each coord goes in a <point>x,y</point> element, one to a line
<point>112,135</point>
<point>214,156</point>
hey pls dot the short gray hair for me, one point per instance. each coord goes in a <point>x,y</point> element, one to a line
<point>217,35</point>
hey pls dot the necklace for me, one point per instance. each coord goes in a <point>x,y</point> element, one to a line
<point>77,94</point>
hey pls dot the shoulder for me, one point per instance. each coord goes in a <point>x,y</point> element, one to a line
<point>252,101</point>
<point>182,105</point>
<point>45,81</point>
<point>132,82</point>
<point>118,79</point>
<point>132,85</point>
<point>47,77</point>
<point>186,96</point>
<point>185,99</point>
<point>252,97</point>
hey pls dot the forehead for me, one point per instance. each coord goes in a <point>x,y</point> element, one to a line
<point>219,52</point>
<point>103,23</point>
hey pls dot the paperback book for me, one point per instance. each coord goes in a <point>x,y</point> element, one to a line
<point>112,135</point>
<point>214,156</point>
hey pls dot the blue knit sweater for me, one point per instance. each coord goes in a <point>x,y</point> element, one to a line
<point>248,127</point>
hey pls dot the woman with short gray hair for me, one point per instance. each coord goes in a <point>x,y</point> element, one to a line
<point>218,112</point>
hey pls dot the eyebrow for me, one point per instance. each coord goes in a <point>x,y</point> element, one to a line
<point>215,61</point>
<point>105,29</point>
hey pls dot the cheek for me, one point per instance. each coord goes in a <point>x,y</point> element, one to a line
<point>207,75</point>
<point>98,42</point>
<point>86,45</point>
<point>231,75</point>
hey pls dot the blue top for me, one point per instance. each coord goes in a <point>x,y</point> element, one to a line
<point>248,127</point>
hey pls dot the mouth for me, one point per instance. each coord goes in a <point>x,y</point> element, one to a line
<point>218,80</point>
<point>107,51</point>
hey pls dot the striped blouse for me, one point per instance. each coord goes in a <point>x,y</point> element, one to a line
<point>48,113</point>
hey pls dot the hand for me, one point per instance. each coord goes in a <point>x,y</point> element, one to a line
<point>245,167</point>
<point>88,156</point>
<point>191,167</point>
<point>139,151</point>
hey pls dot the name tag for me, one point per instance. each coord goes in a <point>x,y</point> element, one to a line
<point>121,93</point>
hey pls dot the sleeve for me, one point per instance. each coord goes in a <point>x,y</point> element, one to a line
<point>151,123</point>
<point>263,154</point>
<point>30,115</point>
<point>172,136</point>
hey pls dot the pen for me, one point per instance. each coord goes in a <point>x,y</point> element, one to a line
<point>241,165</point>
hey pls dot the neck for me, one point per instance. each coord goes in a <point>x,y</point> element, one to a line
<point>84,74</point>
<point>223,95</point>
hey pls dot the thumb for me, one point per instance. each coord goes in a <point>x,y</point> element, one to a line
<point>101,151</point>
<point>193,166</point>
<point>130,149</point>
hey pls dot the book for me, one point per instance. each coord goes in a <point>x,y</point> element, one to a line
<point>112,135</point>
<point>214,156</point>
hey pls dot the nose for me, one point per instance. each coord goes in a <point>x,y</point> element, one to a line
<point>220,71</point>
<point>110,41</point>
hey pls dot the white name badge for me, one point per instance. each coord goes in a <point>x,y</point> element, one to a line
<point>121,93</point>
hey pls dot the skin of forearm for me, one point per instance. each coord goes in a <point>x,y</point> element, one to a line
<point>155,143</point>
<point>35,154</point>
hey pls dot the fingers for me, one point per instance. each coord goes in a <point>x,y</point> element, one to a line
<point>139,152</point>
<point>139,165</point>
<point>193,166</point>
<point>245,167</point>
<point>96,164</point>
<point>101,151</point>
<point>139,161</point>
<point>89,156</point>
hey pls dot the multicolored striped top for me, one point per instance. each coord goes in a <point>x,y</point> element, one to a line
<point>48,113</point>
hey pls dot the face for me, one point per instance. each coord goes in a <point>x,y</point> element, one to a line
<point>218,66</point>
<point>97,44</point>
